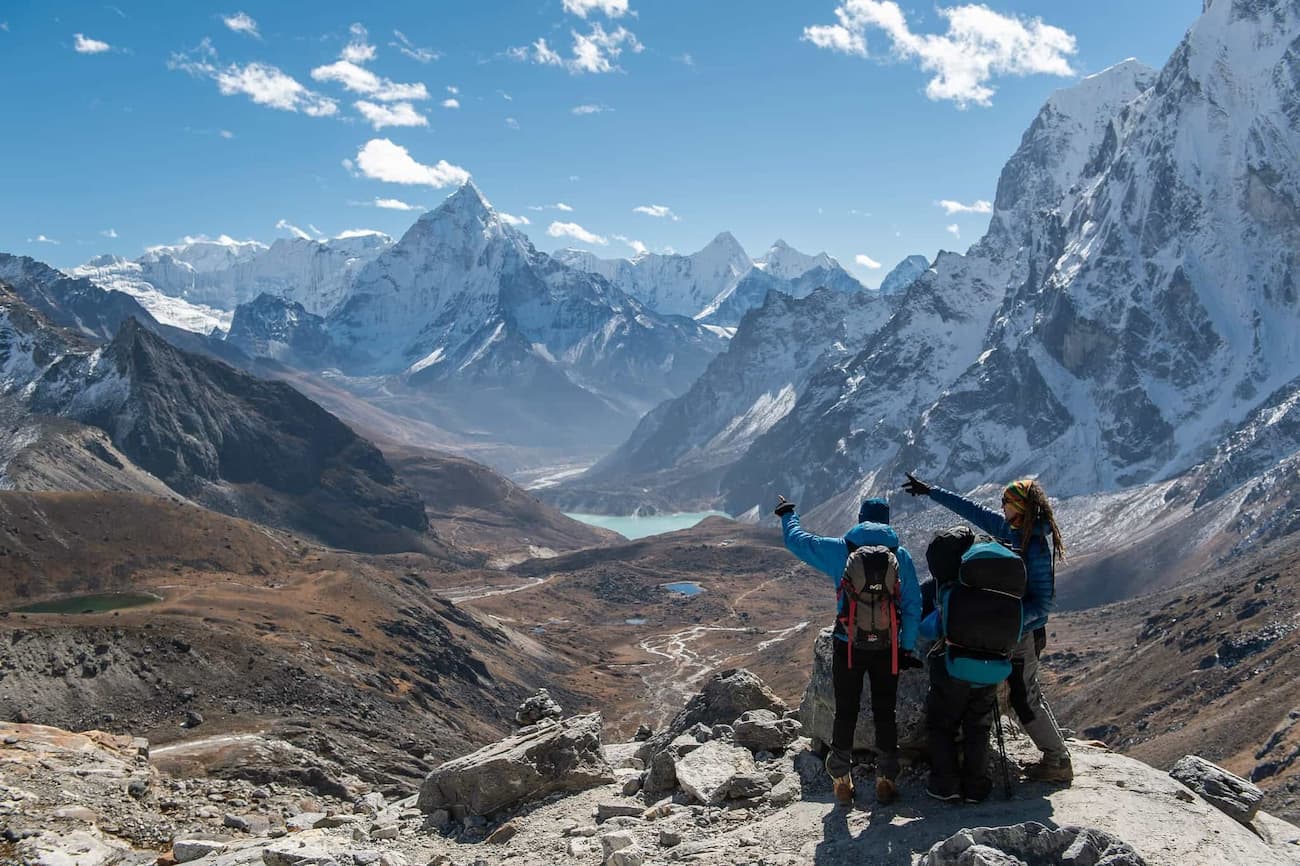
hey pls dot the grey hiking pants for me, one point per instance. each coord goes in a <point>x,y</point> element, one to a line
<point>1028,701</point>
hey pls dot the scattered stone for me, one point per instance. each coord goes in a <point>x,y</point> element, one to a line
<point>611,842</point>
<point>388,831</point>
<point>371,804</point>
<point>632,786</point>
<point>503,834</point>
<point>643,733</point>
<point>193,719</point>
<point>764,731</point>
<point>439,819</point>
<point>185,850</point>
<point>725,697</point>
<point>440,860</point>
<point>365,858</point>
<point>1031,842</point>
<point>12,740</point>
<point>748,786</point>
<point>76,813</point>
<point>670,838</point>
<point>392,858</point>
<point>566,756</point>
<point>331,821</point>
<point>632,856</point>
<point>138,789</point>
<point>1229,793</point>
<point>297,854</point>
<point>708,772</point>
<point>605,811</point>
<point>304,820</point>
<point>539,706</point>
<point>585,830</point>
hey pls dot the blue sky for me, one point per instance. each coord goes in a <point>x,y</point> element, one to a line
<point>837,125</point>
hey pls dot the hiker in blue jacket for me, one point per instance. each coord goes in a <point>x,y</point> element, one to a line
<point>830,555</point>
<point>1027,524</point>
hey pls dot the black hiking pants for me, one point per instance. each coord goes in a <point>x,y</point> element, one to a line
<point>954,706</point>
<point>876,666</point>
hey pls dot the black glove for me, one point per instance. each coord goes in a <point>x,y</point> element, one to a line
<point>915,486</point>
<point>783,506</point>
<point>908,661</point>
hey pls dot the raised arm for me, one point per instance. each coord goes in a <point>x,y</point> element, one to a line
<point>985,518</point>
<point>826,554</point>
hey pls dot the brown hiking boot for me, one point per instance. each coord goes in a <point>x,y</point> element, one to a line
<point>886,790</point>
<point>843,790</point>
<point>1055,771</point>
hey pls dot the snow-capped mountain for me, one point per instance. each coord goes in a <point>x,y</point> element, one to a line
<point>903,275</point>
<point>198,283</point>
<point>465,302</point>
<point>718,284</point>
<point>863,408</point>
<point>682,447</point>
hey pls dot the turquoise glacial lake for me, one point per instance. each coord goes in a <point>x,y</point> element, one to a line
<point>97,603</point>
<point>633,528</point>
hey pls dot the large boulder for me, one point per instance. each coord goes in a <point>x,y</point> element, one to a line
<point>1032,843</point>
<point>708,773</point>
<point>560,757</point>
<point>765,731</point>
<point>1230,794</point>
<point>725,697</point>
<point>817,709</point>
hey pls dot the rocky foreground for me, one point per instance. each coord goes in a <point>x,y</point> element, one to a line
<point>747,790</point>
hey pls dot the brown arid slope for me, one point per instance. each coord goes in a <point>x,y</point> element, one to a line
<point>1211,668</point>
<point>258,631</point>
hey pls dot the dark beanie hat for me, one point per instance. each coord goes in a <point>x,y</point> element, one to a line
<point>873,511</point>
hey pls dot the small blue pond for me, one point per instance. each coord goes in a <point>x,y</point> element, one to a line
<point>684,587</point>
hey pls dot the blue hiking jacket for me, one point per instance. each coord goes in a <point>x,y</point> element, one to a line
<point>1040,572</point>
<point>829,555</point>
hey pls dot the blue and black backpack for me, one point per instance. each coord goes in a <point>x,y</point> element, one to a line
<point>982,613</point>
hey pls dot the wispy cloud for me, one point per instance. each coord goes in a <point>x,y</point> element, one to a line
<point>685,60</point>
<point>951,207</point>
<point>453,90</point>
<point>866,261</point>
<point>611,8</point>
<point>637,247</point>
<point>83,44</point>
<point>397,114</point>
<point>511,123</point>
<point>395,204</point>
<point>589,108</point>
<point>953,230</point>
<point>380,159</point>
<point>596,51</point>
<point>358,49</point>
<point>506,96</point>
<point>659,211</point>
<point>978,45</point>
<point>260,82</point>
<point>226,134</point>
<point>109,233</point>
<point>42,239</point>
<point>511,219</point>
<point>451,102</point>
<point>293,230</point>
<point>423,55</point>
<point>241,22</point>
<point>559,205</point>
<point>575,231</point>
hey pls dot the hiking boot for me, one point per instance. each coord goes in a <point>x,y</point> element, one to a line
<point>843,790</point>
<point>886,790</point>
<point>1056,771</point>
<point>942,795</point>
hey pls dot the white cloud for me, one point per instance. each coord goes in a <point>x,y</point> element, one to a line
<point>396,204</point>
<point>611,8</point>
<point>559,205</point>
<point>451,103</point>
<point>260,82</point>
<point>85,45</point>
<point>575,231</point>
<point>314,230</point>
<point>637,247</point>
<point>226,134</point>
<point>397,114</point>
<point>659,211</point>
<point>42,239</point>
<point>423,55</point>
<point>951,207</point>
<point>953,230</point>
<point>588,108</point>
<point>978,45</point>
<point>4,25</point>
<point>594,52</point>
<point>866,261</point>
<point>380,159</point>
<point>358,79</point>
<point>293,230</point>
<point>109,233</point>
<point>356,233</point>
<point>686,60</point>
<point>512,220</point>
<point>453,90</point>
<point>240,22</point>
<point>506,96</point>
<point>512,123</point>
<point>358,50</point>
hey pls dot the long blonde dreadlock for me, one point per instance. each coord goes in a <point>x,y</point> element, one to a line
<point>1027,496</point>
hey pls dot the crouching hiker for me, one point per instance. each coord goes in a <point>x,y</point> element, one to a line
<point>1027,524</point>
<point>877,615</point>
<point>976,626</point>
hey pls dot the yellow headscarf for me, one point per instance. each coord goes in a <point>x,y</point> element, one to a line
<point>1016,495</point>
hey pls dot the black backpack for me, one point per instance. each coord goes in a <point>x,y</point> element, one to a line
<point>982,613</point>
<point>868,600</point>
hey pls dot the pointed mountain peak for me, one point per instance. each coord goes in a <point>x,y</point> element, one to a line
<point>725,244</point>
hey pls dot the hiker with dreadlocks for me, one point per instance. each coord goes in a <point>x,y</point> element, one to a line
<point>1028,525</point>
<point>878,613</point>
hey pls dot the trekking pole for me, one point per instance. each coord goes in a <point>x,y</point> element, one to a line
<point>1002,747</point>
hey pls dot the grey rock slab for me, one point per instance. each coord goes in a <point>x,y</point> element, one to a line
<point>605,811</point>
<point>765,731</point>
<point>297,854</point>
<point>1031,842</point>
<point>1231,794</point>
<point>562,757</point>
<point>708,772</point>
<point>185,850</point>
<point>611,842</point>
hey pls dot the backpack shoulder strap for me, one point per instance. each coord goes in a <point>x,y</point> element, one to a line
<point>850,545</point>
